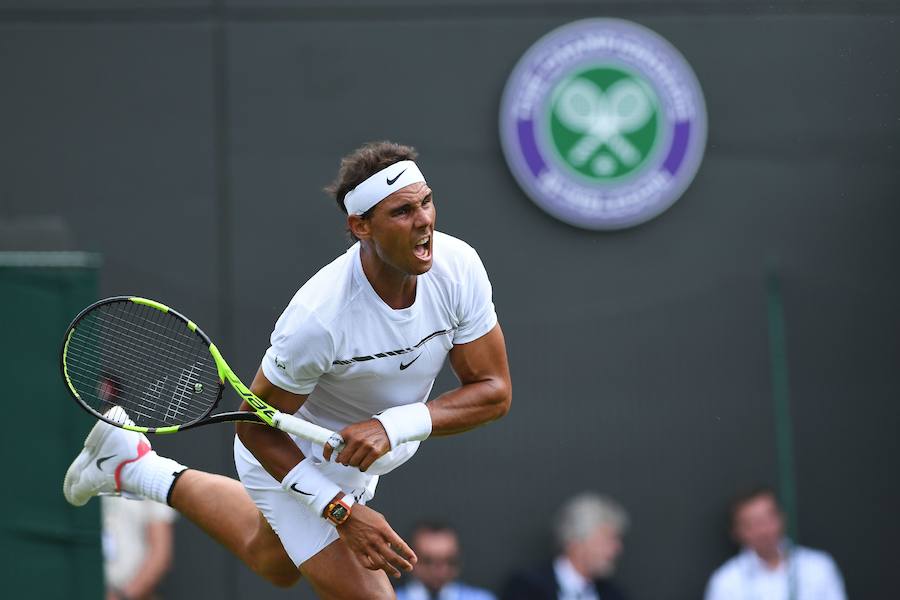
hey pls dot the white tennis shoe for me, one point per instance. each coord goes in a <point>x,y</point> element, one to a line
<point>98,468</point>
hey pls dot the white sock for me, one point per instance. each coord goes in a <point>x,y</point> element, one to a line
<point>151,477</point>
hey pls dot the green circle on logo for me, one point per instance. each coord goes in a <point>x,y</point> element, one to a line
<point>604,122</point>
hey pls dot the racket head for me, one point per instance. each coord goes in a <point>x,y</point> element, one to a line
<point>145,357</point>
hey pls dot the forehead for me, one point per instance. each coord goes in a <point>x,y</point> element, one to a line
<point>762,504</point>
<point>436,540</point>
<point>414,192</point>
<point>599,535</point>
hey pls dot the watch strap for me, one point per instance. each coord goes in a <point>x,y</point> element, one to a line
<point>338,511</point>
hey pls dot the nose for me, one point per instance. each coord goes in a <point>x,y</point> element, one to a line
<point>424,215</point>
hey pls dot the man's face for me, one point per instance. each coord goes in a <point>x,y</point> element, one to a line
<point>401,229</point>
<point>598,552</point>
<point>758,525</point>
<point>438,553</point>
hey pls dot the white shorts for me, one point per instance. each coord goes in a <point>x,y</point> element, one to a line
<point>302,533</point>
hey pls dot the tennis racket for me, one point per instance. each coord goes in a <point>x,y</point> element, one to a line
<point>162,369</point>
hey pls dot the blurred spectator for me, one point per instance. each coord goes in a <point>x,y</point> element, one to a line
<point>434,576</point>
<point>137,547</point>
<point>769,566</point>
<point>589,530</point>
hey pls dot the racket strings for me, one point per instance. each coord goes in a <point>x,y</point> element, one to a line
<point>125,358</point>
<point>111,344</point>
<point>105,374</point>
<point>180,347</point>
<point>145,361</point>
<point>124,363</point>
<point>120,358</point>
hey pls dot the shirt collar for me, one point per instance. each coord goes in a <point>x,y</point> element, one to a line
<point>569,579</point>
<point>416,591</point>
<point>759,564</point>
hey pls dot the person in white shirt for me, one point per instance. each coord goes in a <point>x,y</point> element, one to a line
<point>770,566</point>
<point>435,576</point>
<point>589,530</point>
<point>356,350</point>
<point>137,547</point>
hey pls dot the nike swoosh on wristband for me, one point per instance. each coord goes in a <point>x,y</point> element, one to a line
<point>394,180</point>
<point>299,491</point>
<point>402,366</point>
<point>100,461</point>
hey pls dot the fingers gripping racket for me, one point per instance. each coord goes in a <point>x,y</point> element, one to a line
<point>162,369</point>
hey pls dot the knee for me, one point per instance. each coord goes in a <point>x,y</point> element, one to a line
<point>351,587</point>
<point>372,594</point>
<point>384,591</point>
<point>276,569</point>
<point>277,575</point>
<point>281,579</point>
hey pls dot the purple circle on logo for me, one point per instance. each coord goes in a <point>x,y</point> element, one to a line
<point>603,123</point>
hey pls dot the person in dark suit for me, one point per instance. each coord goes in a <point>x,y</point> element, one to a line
<point>589,530</point>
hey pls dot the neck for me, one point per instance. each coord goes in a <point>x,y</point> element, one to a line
<point>771,558</point>
<point>396,288</point>
<point>578,565</point>
<point>432,592</point>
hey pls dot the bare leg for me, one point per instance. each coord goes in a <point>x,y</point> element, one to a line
<point>336,574</point>
<point>221,507</point>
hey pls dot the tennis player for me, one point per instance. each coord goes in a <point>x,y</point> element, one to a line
<point>356,350</point>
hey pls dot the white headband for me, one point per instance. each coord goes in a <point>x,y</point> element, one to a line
<point>381,185</point>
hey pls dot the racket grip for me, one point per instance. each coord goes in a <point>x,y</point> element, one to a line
<point>306,430</point>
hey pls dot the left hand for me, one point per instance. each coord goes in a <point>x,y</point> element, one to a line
<point>375,544</point>
<point>364,443</point>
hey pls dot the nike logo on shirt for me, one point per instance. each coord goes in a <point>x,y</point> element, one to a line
<point>403,366</point>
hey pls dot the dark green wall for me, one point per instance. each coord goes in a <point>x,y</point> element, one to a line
<point>188,142</point>
<point>50,549</point>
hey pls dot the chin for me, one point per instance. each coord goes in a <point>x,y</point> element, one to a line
<point>420,267</point>
<point>603,570</point>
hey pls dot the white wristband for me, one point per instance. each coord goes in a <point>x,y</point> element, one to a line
<point>406,423</point>
<point>309,487</point>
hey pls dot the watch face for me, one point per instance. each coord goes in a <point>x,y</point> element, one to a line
<point>339,513</point>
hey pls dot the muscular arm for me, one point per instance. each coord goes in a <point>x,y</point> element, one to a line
<point>485,393</point>
<point>274,449</point>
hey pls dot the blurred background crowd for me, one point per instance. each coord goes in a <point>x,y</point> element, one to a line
<point>589,531</point>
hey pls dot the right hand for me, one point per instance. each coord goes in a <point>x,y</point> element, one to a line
<point>364,443</point>
<point>375,544</point>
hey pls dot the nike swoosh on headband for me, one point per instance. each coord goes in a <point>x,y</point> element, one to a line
<point>394,180</point>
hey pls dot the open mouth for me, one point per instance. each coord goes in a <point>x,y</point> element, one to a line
<point>422,248</point>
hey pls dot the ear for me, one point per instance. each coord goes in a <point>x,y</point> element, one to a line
<point>361,228</point>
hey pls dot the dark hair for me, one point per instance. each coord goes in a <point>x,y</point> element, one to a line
<point>427,526</point>
<point>432,526</point>
<point>364,162</point>
<point>748,495</point>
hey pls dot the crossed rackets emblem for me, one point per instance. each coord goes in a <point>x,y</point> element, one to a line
<point>603,119</point>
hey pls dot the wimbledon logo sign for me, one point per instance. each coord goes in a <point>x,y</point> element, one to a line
<point>603,123</point>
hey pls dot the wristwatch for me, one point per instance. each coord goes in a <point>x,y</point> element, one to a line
<point>338,511</point>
